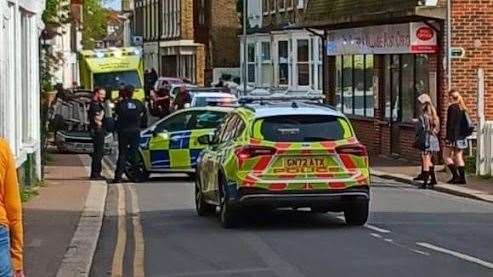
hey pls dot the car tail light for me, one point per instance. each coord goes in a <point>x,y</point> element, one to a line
<point>251,151</point>
<point>356,150</point>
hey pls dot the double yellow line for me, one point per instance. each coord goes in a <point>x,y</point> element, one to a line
<point>121,242</point>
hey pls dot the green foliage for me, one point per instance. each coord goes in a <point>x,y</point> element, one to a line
<point>95,23</point>
<point>28,192</point>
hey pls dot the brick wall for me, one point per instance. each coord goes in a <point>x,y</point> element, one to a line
<point>200,65</point>
<point>472,29</point>
<point>187,19</point>
<point>224,29</point>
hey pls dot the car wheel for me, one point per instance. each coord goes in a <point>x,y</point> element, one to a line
<point>137,173</point>
<point>203,208</point>
<point>357,214</point>
<point>227,212</point>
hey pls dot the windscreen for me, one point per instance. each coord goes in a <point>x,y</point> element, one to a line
<point>302,128</point>
<point>216,101</point>
<point>114,80</point>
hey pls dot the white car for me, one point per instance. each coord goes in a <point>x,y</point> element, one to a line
<point>219,99</point>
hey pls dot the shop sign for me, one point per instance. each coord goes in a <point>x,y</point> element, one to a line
<point>384,39</point>
<point>423,38</point>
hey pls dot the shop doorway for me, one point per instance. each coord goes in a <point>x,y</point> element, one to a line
<point>395,105</point>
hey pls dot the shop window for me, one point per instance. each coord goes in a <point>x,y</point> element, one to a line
<point>406,77</point>
<point>303,64</point>
<point>283,52</point>
<point>354,84</point>
<point>338,80</point>
<point>347,84</point>
<point>407,89</point>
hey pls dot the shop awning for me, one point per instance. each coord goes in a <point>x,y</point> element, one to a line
<point>340,14</point>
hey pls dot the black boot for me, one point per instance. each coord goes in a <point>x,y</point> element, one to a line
<point>426,176</point>
<point>461,179</point>
<point>433,177</point>
<point>453,170</point>
<point>420,176</point>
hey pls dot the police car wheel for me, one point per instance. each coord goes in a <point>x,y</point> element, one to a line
<point>227,212</point>
<point>356,214</point>
<point>137,174</point>
<point>203,208</point>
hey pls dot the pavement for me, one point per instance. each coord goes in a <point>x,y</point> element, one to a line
<point>62,223</point>
<point>404,171</point>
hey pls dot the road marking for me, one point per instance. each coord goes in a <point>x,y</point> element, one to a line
<point>457,254</point>
<point>420,252</point>
<point>376,229</point>
<point>138,264</point>
<point>376,235</point>
<point>121,241</point>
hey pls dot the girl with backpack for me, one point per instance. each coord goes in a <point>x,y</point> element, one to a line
<point>459,127</point>
<point>427,142</point>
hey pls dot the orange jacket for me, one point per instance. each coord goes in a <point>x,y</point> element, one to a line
<point>10,203</point>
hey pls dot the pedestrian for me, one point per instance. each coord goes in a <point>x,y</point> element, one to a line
<point>161,102</point>
<point>153,77</point>
<point>98,131</point>
<point>182,99</point>
<point>147,83</point>
<point>456,137</point>
<point>11,230</point>
<point>131,116</point>
<point>427,129</point>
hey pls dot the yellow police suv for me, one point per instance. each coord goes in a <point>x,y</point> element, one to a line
<point>283,154</point>
<point>171,144</point>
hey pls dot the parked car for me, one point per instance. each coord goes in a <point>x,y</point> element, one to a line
<point>219,99</point>
<point>283,154</point>
<point>171,144</point>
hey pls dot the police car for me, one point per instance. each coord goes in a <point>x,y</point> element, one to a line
<point>171,144</point>
<point>274,153</point>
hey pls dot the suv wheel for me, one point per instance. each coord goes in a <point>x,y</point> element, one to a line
<point>357,214</point>
<point>203,208</point>
<point>227,213</point>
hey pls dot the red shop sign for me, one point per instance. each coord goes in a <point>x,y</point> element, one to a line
<point>425,33</point>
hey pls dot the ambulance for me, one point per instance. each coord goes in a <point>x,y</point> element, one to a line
<point>111,68</point>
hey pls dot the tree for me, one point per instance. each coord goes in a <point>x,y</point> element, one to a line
<point>94,23</point>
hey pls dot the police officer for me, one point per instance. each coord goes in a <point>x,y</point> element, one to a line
<point>98,131</point>
<point>131,116</point>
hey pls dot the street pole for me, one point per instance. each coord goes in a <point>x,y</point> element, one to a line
<point>449,44</point>
<point>245,50</point>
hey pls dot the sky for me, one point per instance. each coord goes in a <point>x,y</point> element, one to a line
<point>112,4</point>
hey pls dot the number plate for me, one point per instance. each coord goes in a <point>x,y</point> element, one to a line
<point>304,163</point>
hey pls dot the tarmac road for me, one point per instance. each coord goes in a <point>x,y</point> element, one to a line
<point>411,233</point>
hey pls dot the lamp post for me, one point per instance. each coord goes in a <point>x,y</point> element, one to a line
<point>245,50</point>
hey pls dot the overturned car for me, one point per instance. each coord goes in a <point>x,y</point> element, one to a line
<point>70,124</point>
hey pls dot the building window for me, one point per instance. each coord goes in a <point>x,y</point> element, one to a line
<point>301,4</point>
<point>251,62</point>
<point>303,62</point>
<point>265,6</point>
<point>202,12</point>
<point>281,5</point>
<point>283,53</point>
<point>266,65</point>
<point>354,84</point>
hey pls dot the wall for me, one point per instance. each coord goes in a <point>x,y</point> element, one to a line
<point>473,30</point>
<point>19,81</point>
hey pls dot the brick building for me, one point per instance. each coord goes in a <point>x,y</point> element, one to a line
<point>188,38</point>
<point>381,55</point>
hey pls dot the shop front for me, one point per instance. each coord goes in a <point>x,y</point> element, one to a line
<point>376,74</point>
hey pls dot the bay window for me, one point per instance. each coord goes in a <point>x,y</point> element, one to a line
<point>283,54</point>
<point>303,62</point>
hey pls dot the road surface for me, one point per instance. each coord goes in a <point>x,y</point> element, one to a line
<point>152,229</point>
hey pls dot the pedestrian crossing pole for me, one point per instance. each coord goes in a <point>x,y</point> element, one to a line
<point>481,167</point>
<point>245,50</point>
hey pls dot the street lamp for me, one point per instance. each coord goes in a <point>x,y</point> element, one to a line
<point>245,51</point>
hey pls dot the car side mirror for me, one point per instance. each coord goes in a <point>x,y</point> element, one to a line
<point>206,139</point>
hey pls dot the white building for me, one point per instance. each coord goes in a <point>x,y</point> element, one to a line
<point>68,44</point>
<point>19,80</point>
<point>278,55</point>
